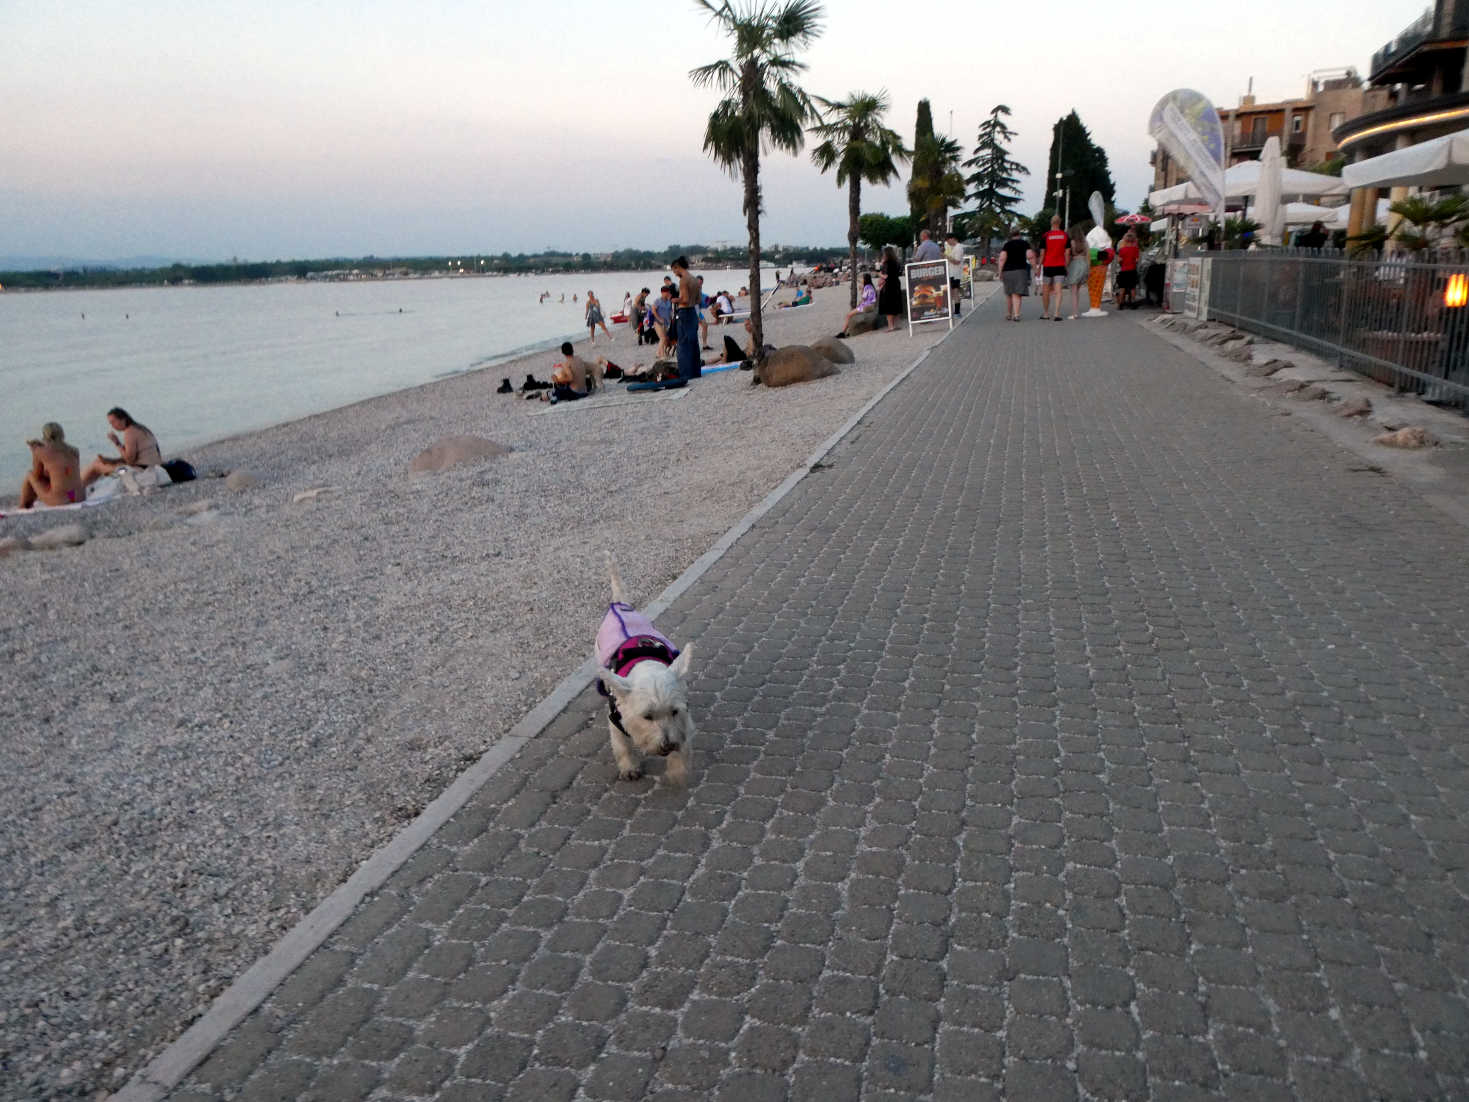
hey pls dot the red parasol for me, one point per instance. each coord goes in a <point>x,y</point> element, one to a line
<point>1132,219</point>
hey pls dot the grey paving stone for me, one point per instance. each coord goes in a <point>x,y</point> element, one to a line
<point>1055,743</point>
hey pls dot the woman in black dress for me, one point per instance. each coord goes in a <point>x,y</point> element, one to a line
<point>890,295</point>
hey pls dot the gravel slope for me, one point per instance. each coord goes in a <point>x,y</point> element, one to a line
<point>212,717</point>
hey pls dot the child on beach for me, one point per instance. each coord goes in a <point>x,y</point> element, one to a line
<point>594,318</point>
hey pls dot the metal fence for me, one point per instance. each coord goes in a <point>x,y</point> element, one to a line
<point>1402,320</point>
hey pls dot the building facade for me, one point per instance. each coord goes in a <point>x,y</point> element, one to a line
<point>1421,83</point>
<point>1304,126</point>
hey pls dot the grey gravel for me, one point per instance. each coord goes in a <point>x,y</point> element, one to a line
<point>226,699</point>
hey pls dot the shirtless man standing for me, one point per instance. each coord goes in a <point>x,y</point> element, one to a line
<point>138,445</point>
<point>55,475</point>
<point>689,364</point>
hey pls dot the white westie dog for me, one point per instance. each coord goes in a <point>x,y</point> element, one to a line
<point>647,698</point>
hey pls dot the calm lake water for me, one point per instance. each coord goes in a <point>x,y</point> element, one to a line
<point>199,363</point>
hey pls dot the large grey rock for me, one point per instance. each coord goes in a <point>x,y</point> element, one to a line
<point>454,450</point>
<point>834,350</point>
<point>1357,407</point>
<point>68,535</point>
<point>795,363</point>
<point>866,323</point>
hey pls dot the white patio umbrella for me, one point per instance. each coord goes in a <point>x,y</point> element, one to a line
<point>1241,181</point>
<point>1267,192</point>
<point>1304,214</point>
<point>1439,162</point>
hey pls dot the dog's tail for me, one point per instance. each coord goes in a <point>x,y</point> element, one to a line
<point>618,594</point>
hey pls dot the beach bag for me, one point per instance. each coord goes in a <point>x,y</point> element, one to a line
<point>180,470</point>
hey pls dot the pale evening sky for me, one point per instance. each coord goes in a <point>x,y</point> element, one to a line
<point>205,129</point>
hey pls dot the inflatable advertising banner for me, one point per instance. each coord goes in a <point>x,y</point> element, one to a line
<point>1185,123</point>
<point>928,293</point>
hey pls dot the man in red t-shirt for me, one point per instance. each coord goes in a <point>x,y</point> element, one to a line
<point>1128,254</point>
<point>1055,252</point>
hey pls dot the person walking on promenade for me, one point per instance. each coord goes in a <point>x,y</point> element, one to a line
<point>594,318</point>
<point>1128,255</point>
<point>954,254</point>
<point>927,249</point>
<point>1055,252</point>
<point>689,360</point>
<point>1078,270</point>
<point>890,294</point>
<point>1016,259</point>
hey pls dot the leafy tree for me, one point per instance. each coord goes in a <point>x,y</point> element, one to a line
<point>1083,166</point>
<point>936,183</point>
<point>860,148</point>
<point>995,183</point>
<point>763,106</point>
<point>877,230</point>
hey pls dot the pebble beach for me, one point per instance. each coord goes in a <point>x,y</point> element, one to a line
<point>224,700</point>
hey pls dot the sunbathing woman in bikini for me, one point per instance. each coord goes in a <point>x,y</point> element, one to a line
<point>54,477</point>
<point>138,445</point>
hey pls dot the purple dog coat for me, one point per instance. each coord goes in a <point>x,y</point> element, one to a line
<point>627,637</point>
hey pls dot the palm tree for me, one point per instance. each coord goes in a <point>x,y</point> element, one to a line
<point>936,184</point>
<point>763,106</point>
<point>860,148</point>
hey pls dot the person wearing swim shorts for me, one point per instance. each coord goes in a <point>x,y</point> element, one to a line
<point>1055,252</point>
<point>689,363</point>
<point>55,474</point>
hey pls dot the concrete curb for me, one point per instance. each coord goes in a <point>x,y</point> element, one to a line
<point>169,1068</point>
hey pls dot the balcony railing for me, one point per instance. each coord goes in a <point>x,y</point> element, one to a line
<point>1426,28</point>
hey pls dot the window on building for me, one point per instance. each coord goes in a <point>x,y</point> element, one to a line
<point>1258,131</point>
<point>1297,123</point>
<point>1337,118</point>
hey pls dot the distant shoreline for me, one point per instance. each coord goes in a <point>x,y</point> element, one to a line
<point>374,270</point>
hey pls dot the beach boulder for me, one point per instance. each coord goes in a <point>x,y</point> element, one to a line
<point>1356,407</point>
<point>795,363</point>
<point>865,323</point>
<point>1412,437</point>
<point>240,481</point>
<point>454,450</point>
<point>834,350</point>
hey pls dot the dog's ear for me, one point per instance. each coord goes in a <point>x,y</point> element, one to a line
<point>681,663</point>
<point>619,686</point>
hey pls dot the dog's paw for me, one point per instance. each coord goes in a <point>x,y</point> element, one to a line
<point>631,774</point>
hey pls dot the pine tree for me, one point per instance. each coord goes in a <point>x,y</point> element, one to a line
<point>995,183</point>
<point>1083,165</point>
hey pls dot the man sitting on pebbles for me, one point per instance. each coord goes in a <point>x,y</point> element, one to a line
<point>55,476</point>
<point>569,377</point>
<point>138,445</point>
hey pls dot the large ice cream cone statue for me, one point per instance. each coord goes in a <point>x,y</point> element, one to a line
<point>1101,246</point>
<point>1096,281</point>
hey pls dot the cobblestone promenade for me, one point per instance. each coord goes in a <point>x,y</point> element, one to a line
<point>1084,729</point>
